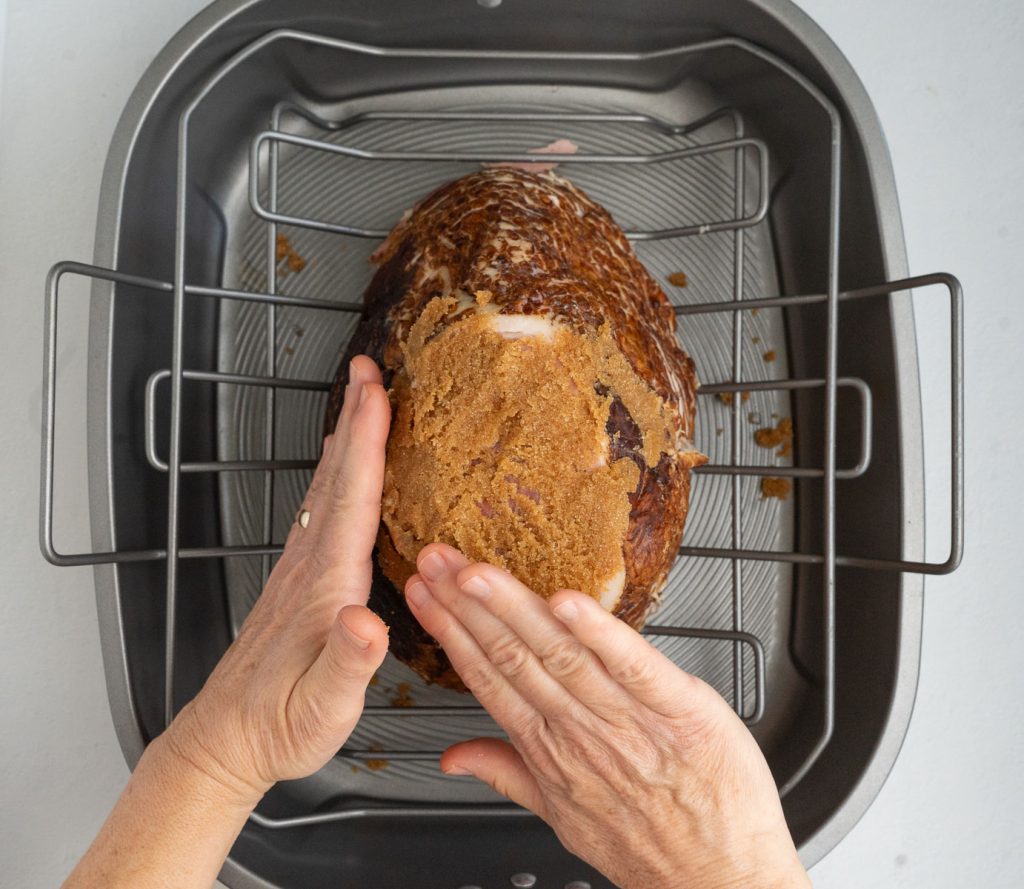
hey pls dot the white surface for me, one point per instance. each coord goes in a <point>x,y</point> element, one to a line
<point>946,78</point>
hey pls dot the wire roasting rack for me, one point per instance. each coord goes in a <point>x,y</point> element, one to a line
<point>750,164</point>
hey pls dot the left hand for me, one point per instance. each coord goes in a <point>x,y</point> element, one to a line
<point>290,689</point>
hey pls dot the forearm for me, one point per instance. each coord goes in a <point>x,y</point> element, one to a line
<point>172,828</point>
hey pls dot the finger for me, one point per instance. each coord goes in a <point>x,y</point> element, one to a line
<point>440,566</point>
<point>482,678</point>
<point>560,654</point>
<point>334,686</point>
<point>362,370</point>
<point>497,763</point>
<point>351,509</point>
<point>629,659</point>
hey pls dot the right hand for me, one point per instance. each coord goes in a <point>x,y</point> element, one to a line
<point>642,770</point>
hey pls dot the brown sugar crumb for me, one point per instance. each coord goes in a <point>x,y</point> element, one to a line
<point>375,765</point>
<point>678,279</point>
<point>719,431</point>
<point>483,297</point>
<point>285,252</point>
<point>404,696</point>
<point>755,340</point>
<point>776,487</point>
<point>726,397</point>
<point>299,331</point>
<point>288,350</point>
<point>769,356</point>
<point>755,312</point>
<point>355,769</point>
<point>775,436</point>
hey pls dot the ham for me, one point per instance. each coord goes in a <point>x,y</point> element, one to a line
<point>543,407</point>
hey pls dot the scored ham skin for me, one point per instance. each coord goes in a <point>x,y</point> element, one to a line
<point>537,246</point>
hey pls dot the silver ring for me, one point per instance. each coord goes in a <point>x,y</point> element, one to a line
<point>302,517</point>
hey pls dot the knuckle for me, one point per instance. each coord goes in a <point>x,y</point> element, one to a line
<point>341,491</point>
<point>566,658</point>
<point>323,479</point>
<point>635,669</point>
<point>511,656</point>
<point>479,678</point>
<point>599,759</point>
<point>647,756</point>
<point>316,484</point>
<point>694,727</point>
<point>347,494</point>
<point>626,762</point>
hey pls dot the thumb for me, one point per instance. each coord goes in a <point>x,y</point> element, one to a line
<point>335,685</point>
<point>497,763</point>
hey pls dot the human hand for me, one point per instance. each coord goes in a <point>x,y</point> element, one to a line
<point>290,689</point>
<point>641,769</point>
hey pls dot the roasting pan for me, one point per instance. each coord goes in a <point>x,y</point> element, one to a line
<point>264,154</point>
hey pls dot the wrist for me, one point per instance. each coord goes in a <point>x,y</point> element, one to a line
<point>773,866</point>
<point>181,758</point>
<point>775,872</point>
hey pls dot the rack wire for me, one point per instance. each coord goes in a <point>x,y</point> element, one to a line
<point>264,155</point>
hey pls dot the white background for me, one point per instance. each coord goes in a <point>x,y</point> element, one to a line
<point>947,79</point>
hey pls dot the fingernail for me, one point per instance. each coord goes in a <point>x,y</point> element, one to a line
<point>418,594</point>
<point>477,586</point>
<point>356,640</point>
<point>567,611</point>
<point>432,566</point>
<point>457,770</point>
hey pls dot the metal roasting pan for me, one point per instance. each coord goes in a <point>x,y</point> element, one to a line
<point>734,143</point>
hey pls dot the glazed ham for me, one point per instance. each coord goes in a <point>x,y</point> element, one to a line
<point>543,408</point>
